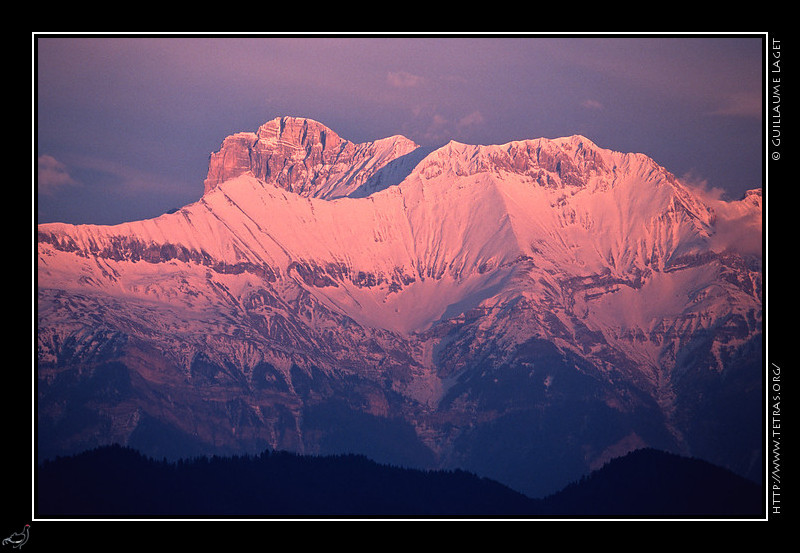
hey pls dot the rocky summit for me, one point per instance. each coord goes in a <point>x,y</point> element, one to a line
<point>304,157</point>
<point>525,311</point>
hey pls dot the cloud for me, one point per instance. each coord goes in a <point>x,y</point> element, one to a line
<point>438,120</point>
<point>430,128</point>
<point>741,104</point>
<point>736,228</point>
<point>592,104</point>
<point>52,175</point>
<point>699,186</point>
<point>474,118</point>
<point>402,79</point>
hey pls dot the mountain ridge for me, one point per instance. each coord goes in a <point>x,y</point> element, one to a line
<point>474,284</point>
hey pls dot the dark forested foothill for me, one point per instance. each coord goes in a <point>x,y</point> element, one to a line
<point>119,482</point>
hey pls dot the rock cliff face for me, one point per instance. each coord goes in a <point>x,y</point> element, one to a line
<point>303,157</point>
<point>526,311</point>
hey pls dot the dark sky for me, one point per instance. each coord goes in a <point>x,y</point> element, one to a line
<point>124,125</point>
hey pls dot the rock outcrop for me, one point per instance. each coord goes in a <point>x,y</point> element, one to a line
<point>304,157</point>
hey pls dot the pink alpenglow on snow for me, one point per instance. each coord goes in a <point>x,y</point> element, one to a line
<point>411,285</point>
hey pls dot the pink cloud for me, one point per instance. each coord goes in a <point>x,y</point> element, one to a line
<point>52,175</point>
<point>592,104</point>
<point>402,79</point>
<point>474,118</point>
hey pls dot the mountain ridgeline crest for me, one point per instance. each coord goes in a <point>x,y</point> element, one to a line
<point>525,311</point>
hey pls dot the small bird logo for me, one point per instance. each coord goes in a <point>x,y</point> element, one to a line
<point>18,539</point>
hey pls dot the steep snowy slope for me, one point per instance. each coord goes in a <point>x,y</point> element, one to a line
<point>457,225</point>
<point>438,293</point>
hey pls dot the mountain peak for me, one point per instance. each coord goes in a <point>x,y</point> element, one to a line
<point>574,140</point>
<point>298,132</point>
<point>303,156</point>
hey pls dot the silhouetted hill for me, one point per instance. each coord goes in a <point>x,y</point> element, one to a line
<point>118,482</point>
<point>656,484</point>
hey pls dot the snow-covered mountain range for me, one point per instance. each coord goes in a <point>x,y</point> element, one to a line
<point>526,311</point>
